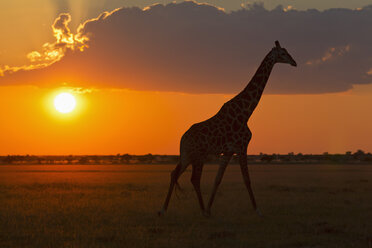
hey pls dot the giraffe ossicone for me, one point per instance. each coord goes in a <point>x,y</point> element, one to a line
<point>225,133</point>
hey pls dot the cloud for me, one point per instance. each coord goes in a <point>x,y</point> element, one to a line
<point>64,40</point>
<point>288,8</point>
<point>54,52</point>
<point>198,48</point>
<point>331,53</point>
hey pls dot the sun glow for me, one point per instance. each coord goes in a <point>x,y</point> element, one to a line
<point>64,103</point>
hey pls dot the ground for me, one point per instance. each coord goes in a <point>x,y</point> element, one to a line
<point>116,206</point>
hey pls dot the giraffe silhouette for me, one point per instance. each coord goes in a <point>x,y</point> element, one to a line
<point>225,134</point>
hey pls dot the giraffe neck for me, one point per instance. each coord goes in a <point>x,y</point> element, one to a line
<point>251,95</point>
<point>259,79</point>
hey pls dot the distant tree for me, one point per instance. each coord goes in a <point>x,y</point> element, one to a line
<point>267,158</point>
<point>83,160</point>
<point>149,158</point>
<point>126,158</point>
<point>359,155</point>
<point>9,159</point>
<point>359,152</point>
<point>300,157</point>
<point>69,159</point>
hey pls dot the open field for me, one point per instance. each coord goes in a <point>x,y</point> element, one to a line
<point>115,206</point>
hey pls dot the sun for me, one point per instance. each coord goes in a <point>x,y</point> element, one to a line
<point>64,103</point>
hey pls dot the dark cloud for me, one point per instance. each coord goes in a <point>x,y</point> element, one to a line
<point>198,48</point>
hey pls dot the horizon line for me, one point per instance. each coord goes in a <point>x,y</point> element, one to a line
<point>153,154</point>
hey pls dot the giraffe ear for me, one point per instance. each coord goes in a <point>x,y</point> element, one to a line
<point>277,44</point>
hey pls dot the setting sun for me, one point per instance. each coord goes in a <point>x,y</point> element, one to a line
<point>64,103</point>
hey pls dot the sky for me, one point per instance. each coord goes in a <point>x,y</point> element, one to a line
<point>143,72</point>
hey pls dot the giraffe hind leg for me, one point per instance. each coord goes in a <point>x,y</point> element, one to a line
<point>182,170</point>
<point>177,189</point>
<point>174,177</point>
<point>195,180</point>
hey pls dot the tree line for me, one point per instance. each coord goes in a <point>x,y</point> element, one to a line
<point>325,158</point>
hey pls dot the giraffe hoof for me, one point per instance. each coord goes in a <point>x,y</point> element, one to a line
<point>259,212</point>
<point>207,214</point>
<point>161,213</point>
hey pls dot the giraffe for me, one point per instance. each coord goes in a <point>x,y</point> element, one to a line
<point>225,134</point>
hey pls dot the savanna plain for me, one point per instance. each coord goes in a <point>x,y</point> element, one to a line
<point>116,206</point>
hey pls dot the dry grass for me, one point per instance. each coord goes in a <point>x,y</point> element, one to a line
<point>115,206</point>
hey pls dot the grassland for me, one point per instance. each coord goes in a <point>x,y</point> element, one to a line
<point>115,206</point>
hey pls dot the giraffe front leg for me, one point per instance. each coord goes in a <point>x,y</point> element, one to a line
<point>247,180</point>
<point>225,160</point>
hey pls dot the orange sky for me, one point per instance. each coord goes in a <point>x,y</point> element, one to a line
<point>114,119</point>
<point>122,121</point>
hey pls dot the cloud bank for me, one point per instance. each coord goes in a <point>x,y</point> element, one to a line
<point>199,48</point>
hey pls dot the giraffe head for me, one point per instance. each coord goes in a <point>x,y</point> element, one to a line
<point>282,56</point>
